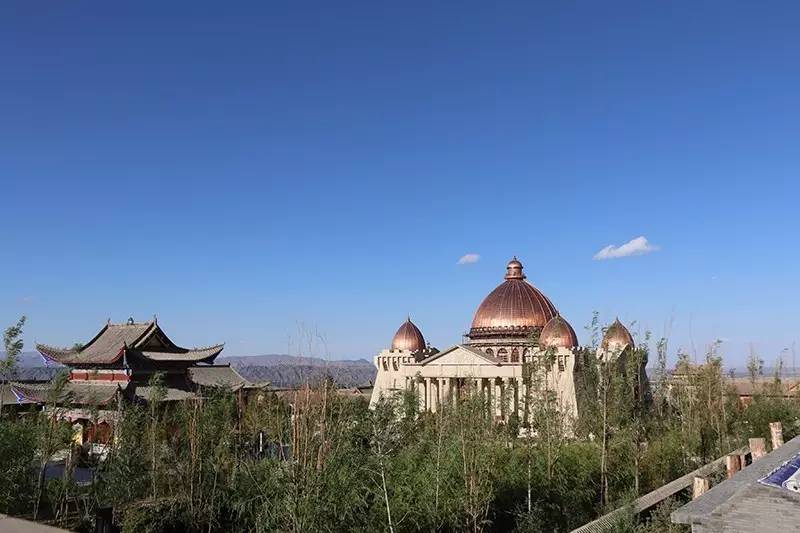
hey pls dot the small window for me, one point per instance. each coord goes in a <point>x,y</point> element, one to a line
<point>514,355</point>
<point>489,352</point>
<point>502,354</point>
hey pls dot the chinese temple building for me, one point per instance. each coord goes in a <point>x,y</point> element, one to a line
<point>117,365</point>
<point>515,324</point>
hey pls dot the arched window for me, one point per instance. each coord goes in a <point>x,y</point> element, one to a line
<point>489,352</point>
<point>514,355</point>
<point>394,364</point>
<point>502,354</point>
<point>525,353</point>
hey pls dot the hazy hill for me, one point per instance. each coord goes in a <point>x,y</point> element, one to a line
<point>283,359</point>
<point>290,371</point>
<point>28,359</point>
<point>279,369</point>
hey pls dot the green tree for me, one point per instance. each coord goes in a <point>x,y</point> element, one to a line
<point>13,343</point>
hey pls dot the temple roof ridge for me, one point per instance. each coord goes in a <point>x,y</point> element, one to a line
<point>113,340</point>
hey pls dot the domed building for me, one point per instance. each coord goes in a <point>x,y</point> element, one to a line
<point>408,338</point>
<point>510,316</point>
<point>557,333</point>
<point>515,324</point>
<point>617,340</point>
<point>408,347</point>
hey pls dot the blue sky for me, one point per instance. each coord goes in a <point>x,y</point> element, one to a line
<point>245,170</point>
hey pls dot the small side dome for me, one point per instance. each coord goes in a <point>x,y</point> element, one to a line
<point>617,338</point>
<point>408,337</point>
<point>557,333</point>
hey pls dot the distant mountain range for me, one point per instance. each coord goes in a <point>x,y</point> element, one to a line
<point>279,370</point>
<point>282,370</point>
<point>28,359</point>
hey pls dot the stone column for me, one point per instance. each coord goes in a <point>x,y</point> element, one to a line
<point>498,397</point>
<point>427,393</point>
<point>513,404</point>
<point>486,386</point>
<point>421,394</point>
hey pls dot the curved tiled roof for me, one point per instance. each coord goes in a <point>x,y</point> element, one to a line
<point>216,376</point>
<point>145,340</point>
<point>105,348</point>
<point>71,393</point>
<point>190,356</point>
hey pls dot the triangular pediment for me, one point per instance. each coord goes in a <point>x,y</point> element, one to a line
<point>460,355</point>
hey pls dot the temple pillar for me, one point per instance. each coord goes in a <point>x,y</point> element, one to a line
<point>486,393</point>
<point>421,394</point>
<point>498,397</point>
<point>428,406</point>
<point>514,383</point>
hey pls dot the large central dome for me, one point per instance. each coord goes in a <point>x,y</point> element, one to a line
<point>514,309</point>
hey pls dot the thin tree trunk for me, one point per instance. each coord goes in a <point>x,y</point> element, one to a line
<point>385,490</point>
<point>603,458</point>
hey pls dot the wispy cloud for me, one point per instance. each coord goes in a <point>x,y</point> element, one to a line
<point>468,259</point>
<point>637,246</point>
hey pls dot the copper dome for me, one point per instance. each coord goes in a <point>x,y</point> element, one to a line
<point>617,338</point>
<point>514,308</point>
<point>408,337</point>
<point>557,333</point>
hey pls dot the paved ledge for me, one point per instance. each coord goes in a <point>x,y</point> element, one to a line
<point>743,504</point>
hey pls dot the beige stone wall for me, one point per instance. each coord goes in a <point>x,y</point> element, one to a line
<point>392,370</point>
<point>437,379</point>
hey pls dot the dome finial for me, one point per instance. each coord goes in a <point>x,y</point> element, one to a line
<point>514,269</point>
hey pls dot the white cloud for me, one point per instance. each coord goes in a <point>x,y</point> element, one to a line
<point>637,246</point>
<point>468,259</point>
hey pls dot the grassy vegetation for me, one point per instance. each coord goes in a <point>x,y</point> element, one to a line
<point>331,464</point>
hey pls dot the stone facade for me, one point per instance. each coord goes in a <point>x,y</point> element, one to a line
<point>450,374</point>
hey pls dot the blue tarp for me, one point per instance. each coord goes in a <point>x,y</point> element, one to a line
<point>786,476</point>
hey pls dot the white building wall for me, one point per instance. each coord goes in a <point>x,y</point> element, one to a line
<point>436,378</point>
<point>392,371</point>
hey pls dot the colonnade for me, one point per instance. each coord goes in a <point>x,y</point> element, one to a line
<point>505,394</point>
